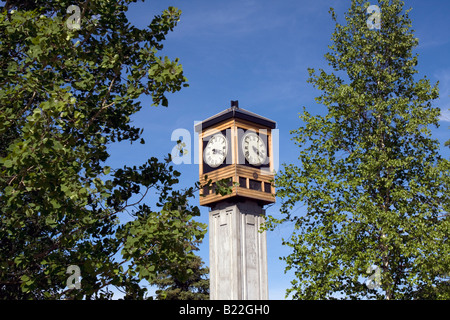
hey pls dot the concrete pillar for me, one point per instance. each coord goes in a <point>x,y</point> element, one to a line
<point>238,252</point>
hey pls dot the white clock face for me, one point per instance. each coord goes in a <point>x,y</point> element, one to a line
<point>216,150</point>
<point>254,149</point>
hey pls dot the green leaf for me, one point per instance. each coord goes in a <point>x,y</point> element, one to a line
<point>106,170</point>
<point>8,163</point>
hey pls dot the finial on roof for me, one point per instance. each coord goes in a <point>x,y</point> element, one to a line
<point>234,104</point>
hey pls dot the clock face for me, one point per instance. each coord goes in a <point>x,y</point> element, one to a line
<point>254,149</point>
<point>216,150</point>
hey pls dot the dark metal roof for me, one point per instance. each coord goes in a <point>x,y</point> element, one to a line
<point>235,112</point>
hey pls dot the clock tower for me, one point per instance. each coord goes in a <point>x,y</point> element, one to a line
<point>236,145</point>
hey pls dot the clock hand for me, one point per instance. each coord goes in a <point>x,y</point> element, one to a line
<point>256,150</point>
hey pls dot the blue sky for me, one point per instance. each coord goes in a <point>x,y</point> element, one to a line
<point>258,52</point>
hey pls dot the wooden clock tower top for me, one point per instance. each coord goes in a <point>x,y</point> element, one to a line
<point>237,113</point>
<point>236,145</point>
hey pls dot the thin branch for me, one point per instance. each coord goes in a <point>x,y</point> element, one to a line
<point>31,100</point>
<point>104,106</point>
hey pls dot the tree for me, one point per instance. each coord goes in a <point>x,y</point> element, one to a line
<point>375,189</point>
<point>194,286</point>
<point>68,89</point>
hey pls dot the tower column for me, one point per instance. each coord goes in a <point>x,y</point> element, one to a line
<point>238,251</point>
